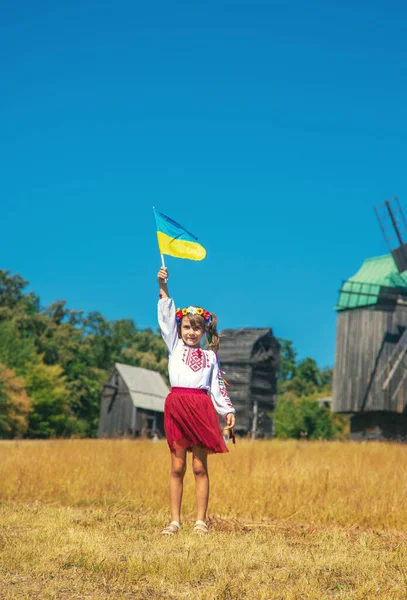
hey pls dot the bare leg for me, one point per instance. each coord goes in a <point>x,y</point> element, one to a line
<point>178,468</point>
<point>200,468</point>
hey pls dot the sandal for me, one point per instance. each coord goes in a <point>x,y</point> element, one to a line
<point>201,527</point>
<point>171,529</point>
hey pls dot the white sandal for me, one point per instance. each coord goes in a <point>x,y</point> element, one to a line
<point>201,527</point>
<point>171,529</point>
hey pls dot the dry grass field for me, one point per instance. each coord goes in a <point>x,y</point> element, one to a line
<point>80,519</point>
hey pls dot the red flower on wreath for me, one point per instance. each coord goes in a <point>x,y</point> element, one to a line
<point>192,310</point>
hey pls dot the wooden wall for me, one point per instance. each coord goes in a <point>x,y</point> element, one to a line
<point>378,426</point>
<point>238,375</point>
<point>118,418</point>
<point>263,391</point>
<point>365,339</point>
<point>115,417</point>
<point>250,359</point>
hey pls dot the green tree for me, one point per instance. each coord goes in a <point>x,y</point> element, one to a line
<point>16,351</point>
<point>307,370</point>
<point>301,378</point>
<point>11,289</point>
<point>325,377</point>
<point>99,339</point>
<point>302,417</point>
<point>316,421</point>
<point>298,386</point>
<point>15,405</point>
<point>85,384</point>
<point>287,420</point>
<point>288,358</point>
<point>13,301</point>
<point>124,334</point>
<point>51,414</point>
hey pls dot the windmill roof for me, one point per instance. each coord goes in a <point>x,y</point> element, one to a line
<point>147,388</point>
<point>237,344</point>
<point>365,286</point>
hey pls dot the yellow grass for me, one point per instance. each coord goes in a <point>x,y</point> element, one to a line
<point>81,519</point>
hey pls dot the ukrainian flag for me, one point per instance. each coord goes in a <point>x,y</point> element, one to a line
<point>174,240</point>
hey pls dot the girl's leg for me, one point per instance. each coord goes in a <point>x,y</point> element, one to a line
<point>200,468</point>
<point>178,468</point>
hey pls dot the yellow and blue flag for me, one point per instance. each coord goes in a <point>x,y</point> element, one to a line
<point>176,241</point>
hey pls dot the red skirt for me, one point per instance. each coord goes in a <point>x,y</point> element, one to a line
<point>190,420</point>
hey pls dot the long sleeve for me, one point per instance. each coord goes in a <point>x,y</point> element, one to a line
<point>167,322</point>
<point>219,395</point>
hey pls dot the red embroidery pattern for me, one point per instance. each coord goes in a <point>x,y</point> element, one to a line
<point>224,393</point>
<point>195,358</point>
<point>223,389</point>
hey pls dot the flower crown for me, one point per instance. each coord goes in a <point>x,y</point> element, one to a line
<point>193,310</point>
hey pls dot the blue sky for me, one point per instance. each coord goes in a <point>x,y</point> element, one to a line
<point>268,129</point>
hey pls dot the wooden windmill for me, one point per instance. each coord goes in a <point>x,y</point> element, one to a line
<point>370,374</point>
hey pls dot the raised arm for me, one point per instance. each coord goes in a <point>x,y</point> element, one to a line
<point>166,312</point>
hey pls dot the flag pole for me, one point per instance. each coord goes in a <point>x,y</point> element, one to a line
<point>163,264</point>
<point>162,255</point>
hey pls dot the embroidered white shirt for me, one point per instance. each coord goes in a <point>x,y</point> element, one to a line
<point>192,367</point>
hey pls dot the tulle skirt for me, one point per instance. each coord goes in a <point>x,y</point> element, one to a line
<point>190,420</point>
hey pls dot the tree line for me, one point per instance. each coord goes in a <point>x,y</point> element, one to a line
<point>54,361</point>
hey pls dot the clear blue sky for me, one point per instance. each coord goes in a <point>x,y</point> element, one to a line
<point>268,129</point>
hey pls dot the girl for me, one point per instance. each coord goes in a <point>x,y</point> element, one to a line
<point>190,420</point>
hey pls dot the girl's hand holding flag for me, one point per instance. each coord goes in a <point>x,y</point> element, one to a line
<point>162,282</point>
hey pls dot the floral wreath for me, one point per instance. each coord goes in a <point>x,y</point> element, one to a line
<point>193,310</point>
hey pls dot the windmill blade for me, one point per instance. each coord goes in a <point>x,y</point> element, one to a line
<point>394,229</point>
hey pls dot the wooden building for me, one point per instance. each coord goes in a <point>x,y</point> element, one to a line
<point>370,373</point>
<point>250,359</point>
<point>132,403</point>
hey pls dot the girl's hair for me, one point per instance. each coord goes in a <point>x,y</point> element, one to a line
<point>210,330</point>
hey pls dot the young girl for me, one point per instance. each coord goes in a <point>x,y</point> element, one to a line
<point>198,389</point>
